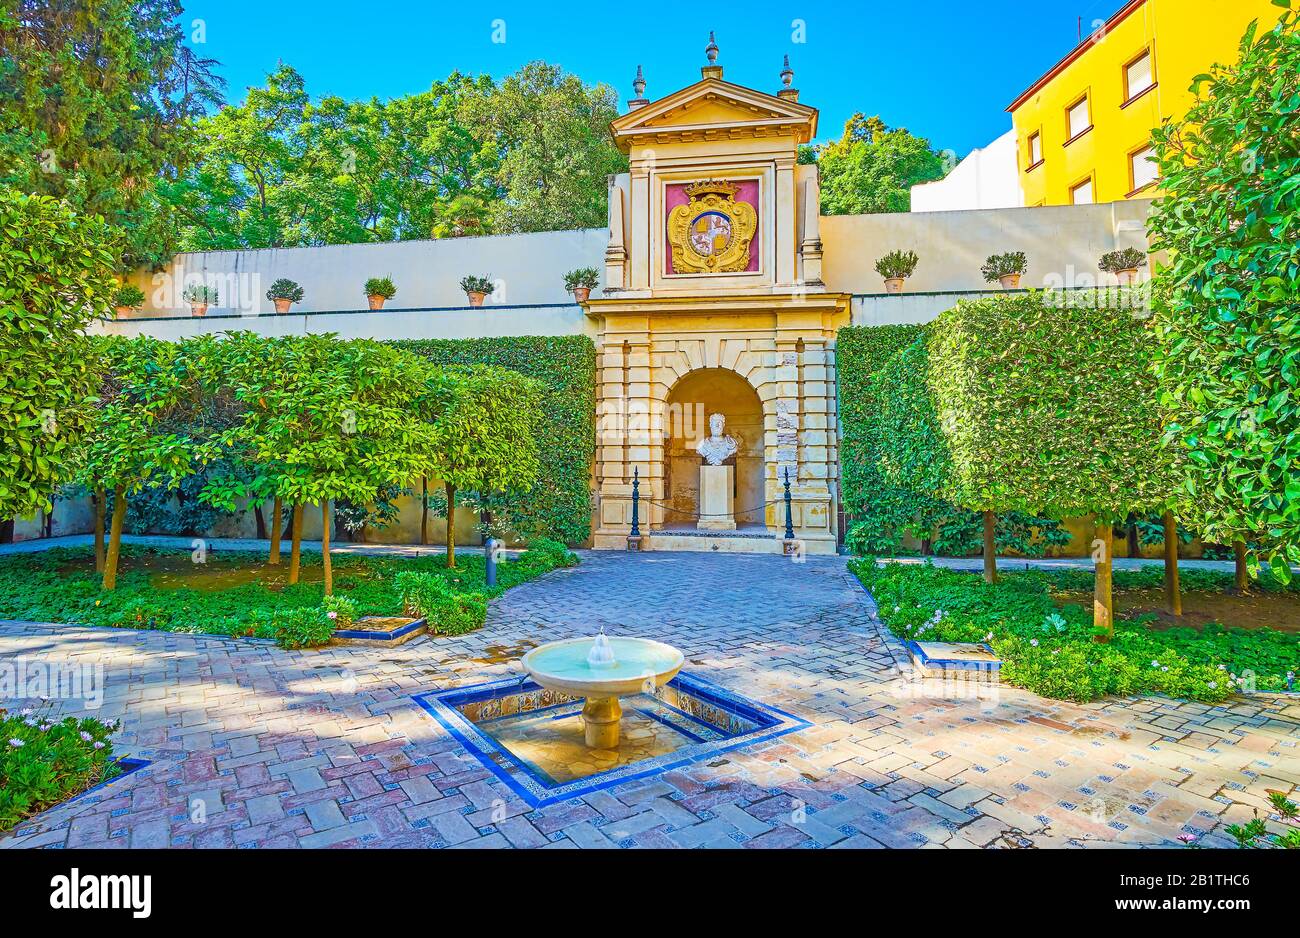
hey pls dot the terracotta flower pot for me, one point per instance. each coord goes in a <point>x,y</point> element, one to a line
<point>122,311</point>
<point>376,301</point>
<point>1127,275</point>
<point>198,309</point>
<point>282,305</point>
<point>1009,281</point>
<point>894,284</point>
<point>580,294</point>
<point>476,298</point>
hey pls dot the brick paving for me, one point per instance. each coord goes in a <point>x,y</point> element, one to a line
<point>253,746</point>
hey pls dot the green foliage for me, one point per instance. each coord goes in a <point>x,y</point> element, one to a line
<point>879,511</point>
<point>554,154</point>
<point>44,761</point>
<point>380,286</point>
<point>1048,647</point>
<point>1032,422</point>
<point>302,627</point>
<point>872,168</point>
<point>128,296</point>
<point>1127,259</point>
<point>97,102</point>
<point>341,609</point>
<point>284,289</point>
<point>1004,265</point>
<point>582,277</point>
<point>897,264</point>
<point>559,504</point>
<point>470,156</point>
<point>472,283</point>
<point>1228,328</point>
<point>55,276</point>
<point>429,596</point>
<point>221,597</point>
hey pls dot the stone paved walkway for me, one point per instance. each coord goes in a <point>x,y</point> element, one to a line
<point>258,747</point>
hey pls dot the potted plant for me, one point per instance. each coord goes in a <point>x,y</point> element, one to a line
<point>200,296</point>
<point>1006,269</point>
<point>284,293</point>
<point>895,267</point>
<point>1123,264</point>
<point>581,282</point>
<point>127,298</point>
<point>379,289</point>
<point>477,288</point>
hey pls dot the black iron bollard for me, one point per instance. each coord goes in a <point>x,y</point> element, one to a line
<point>490,555</point>
<point>636,502</point>
<point>789,512</point>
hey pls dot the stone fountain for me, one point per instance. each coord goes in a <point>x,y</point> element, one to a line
<point>602,670</point>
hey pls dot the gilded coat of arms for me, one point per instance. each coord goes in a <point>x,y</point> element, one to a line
<point>713,231</point>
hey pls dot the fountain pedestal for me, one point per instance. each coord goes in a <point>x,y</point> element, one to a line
<point>601,719</point>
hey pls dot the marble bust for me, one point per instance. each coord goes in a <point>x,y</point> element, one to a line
<point>717,446</point>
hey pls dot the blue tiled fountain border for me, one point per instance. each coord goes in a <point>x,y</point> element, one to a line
<point>539,791</point>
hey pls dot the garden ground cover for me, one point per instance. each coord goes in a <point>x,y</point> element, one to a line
<point>234,593</point>
<point>1039,622</point>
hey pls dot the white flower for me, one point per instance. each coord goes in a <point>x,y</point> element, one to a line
<point>16,743</point>
<point>85,736</point>
<point>1155,664</point>
<point>24,711</point>
<point>99,745</point>
<point>1034,642</point>
<point>989,637</point>
<point>1212,685</point>
<point>1164,669</point>
<point>30,721</point>
<point>1223,667</point>
<point>332,614</point>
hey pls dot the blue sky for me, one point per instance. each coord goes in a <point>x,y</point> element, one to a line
<point>945,70</point>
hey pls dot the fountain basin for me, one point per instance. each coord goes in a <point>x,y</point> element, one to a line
<point>640,664</point>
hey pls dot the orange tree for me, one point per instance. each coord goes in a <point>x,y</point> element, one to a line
<point>334,419</point>
<point>141,434</point>
<point>1228,350</point>
<point>484,438</point>
<point>55,277</point>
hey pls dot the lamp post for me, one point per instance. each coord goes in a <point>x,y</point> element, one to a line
<point>634,536</point>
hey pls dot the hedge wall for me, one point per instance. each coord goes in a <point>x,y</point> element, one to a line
<point>877,510</point>
<point>560,504</point>
<point>1049,408</point>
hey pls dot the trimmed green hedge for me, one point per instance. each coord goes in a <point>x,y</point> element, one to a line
<point>877,510</point>
<point>560,504</point>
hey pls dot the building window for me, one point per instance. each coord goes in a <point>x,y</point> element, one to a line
<point>1142,171</point>
<point>1035,149</point>
<point>1138,76</point>
<point>1078,120</point>
<point>1081,194</point>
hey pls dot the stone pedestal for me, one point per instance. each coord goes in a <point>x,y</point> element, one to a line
<point>717,498</point>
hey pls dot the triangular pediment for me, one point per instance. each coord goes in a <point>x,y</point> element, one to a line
<point>712,107</point>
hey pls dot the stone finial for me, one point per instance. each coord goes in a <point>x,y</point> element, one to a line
<point>787,79</point>
<point>713,69</point>
<point>638,86</point>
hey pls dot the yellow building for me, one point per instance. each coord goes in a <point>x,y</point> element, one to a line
<point>1083,128</point>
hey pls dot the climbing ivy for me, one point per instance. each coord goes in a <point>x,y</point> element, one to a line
<point>560,503</point>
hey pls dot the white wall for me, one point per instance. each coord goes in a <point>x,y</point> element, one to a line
<point>529,268</point>
<point>1063,244</point>
<point>464,323</point>
<point>987,178</point>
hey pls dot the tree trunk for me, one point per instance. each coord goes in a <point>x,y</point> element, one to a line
<point>451,524</point>
<point>1173,595</point>
<point>100,499</point>
<point>6,531</point>
<point>295,544</point>
<point>325,546</point>
<point>424,510</point>
<point>274,558</point>
<point>1131,532</point>
<point>261,521</point>
<point>1103,607</point>
<point>1239,561</point>
<point>990,548</point>
<point>115,538</point>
